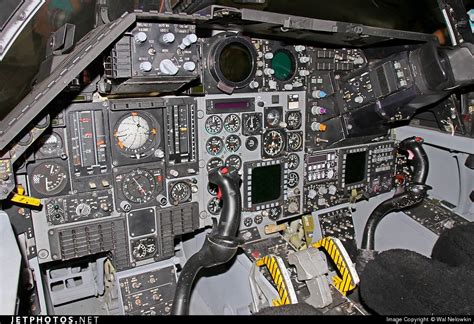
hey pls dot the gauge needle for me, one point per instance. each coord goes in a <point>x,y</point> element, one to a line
<point>139,186</point>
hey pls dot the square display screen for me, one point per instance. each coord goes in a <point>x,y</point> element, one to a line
<point>266,183</point>
<point>355,167</point>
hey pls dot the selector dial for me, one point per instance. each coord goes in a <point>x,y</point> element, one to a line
<point>83,210</point>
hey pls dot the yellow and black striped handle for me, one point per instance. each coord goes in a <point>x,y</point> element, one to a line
<point>280,277</point>
<point>348,278</point>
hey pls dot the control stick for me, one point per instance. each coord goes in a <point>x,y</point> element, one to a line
<point>412,195</point>
<point>221,244</point>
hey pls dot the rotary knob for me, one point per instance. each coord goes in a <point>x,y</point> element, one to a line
<point>140,37</point>
<point>83,210</point>
<point>316,110</point>
<point>293,207</point>
<point>145,66</point>
<point>167,38</point>
<point>187,41</point>
<point>318,127</point>
<point>168,67</point>
<point>312,194</point>
<point>189,66</point>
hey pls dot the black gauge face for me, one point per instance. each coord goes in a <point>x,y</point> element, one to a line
<point>214,125</point>
<point>252,124</point>
<point>180,192</point>
<point>283,63</point>
<point>214,206</point>
<point>234,161</point>
<point>135,133</point>
<point>139,251</point>
<point>212,189</point>
<point>214,145</point>
<point>139,186</point>
<point>273,118</point>
<point>144,248</point>
<point>232,143</point>
<point>293,161</point>
<point>232,123</point>
<point>248,221</point>
<point>293,179</point>
<point>293,120</point>
<point>251,143</point>
<point>214,163</point>
<point>49,178</point>
<point>51,144</point>
<point>274,213</point>
<point>295,141</point>
<point>258,219</point>
<point>235,62</point>
<point>273,143</point>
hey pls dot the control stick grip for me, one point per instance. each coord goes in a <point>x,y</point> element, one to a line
<point>228,181</point>
<point>418,158</point>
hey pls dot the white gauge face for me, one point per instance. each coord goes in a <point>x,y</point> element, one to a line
<point>133,132</point>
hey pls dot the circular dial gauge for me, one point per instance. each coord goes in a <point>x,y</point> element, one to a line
<point>273,143</point>
<point>214,206</point>
<point>252,124</point>
<point>293,161</point>
<point>212,189</point>
<point>49,178</point>
<point>214,125</point>
<point>180,192</point>
<point>295,141</point>
<point>232,143</point>
<point>139,186</point>
<point>214,163</point>
<point>251,143</point>
<point>293,179</point>
<point>248,221</point>
<point>293,120</point>
<point>214,145</point>
<point>139,251</point>
<point>234,161</point>
<point>135,133</point>
<point>51,144</point>
<point>232,123</point>
<point>273,118</point>
<point>274,213</point>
